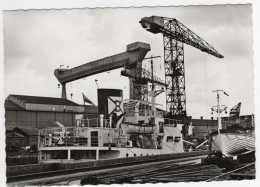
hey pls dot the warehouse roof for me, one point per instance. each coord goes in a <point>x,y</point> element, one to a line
<point>9,105</point>
<point>25,102</point>
<point>45,100</point>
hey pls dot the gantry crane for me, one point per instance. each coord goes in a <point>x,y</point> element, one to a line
<point>175,34</point>
<point>131,60</point>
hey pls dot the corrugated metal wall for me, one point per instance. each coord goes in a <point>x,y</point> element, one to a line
<point>38,119</point>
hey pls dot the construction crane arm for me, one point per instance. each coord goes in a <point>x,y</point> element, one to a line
<point>192,39</point>
<point>144,76</point>
<point>134,53</point>
<point>183,34</point>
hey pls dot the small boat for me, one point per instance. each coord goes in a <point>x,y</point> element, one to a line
<point>231,143</point>
<point>234,139</point>
<point>129,128</point>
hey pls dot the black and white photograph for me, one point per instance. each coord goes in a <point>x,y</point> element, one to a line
<point>129,95</point>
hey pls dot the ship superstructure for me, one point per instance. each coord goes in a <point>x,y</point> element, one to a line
<point>134,130</point>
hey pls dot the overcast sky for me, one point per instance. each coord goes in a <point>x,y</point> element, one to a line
<point>38,41</point>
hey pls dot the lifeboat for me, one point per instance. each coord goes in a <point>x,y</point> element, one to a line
<point>130,128</point>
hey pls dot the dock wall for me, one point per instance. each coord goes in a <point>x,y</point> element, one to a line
<point>49,167</point>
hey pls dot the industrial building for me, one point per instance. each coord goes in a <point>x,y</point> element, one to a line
<point>202,127</point>
<point>25,115</point>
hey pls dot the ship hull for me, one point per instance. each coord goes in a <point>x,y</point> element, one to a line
<point>100,153</point>
<point>231,144</point>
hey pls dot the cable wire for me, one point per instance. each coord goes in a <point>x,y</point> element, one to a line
<point>205,77</point>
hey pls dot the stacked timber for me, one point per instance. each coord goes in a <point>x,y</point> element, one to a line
<point>168,172</point>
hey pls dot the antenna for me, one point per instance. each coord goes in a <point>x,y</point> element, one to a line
<point>97,83</point>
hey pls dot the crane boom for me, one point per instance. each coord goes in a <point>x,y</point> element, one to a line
<point>183,34</point>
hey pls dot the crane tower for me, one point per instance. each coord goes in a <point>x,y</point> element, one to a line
<point>175,34</point>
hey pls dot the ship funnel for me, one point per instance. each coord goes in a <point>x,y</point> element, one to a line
<point>110,102</point>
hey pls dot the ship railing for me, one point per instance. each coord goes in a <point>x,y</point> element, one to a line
<point>70,136</point>
<point>66,141</point>
<point>51,130</point>
<point>97,122</point>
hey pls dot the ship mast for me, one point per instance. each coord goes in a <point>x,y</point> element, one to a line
<point>152,93</point>
<point>219,108</point>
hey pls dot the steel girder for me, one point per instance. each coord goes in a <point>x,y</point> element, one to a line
<point>140,78</point>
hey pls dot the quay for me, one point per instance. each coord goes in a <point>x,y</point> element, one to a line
<point>39,174</point>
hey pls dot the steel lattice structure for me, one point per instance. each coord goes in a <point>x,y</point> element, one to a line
<point>175,34</point>
<point>141,77</point>
<point>174,72</point>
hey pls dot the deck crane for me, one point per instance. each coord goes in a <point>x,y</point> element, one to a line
<point>235,111</point>
<point>175,34</point>
<point>131,60</point>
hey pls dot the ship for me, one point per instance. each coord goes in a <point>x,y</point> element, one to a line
<point>238,134</point>
<point>125,128</point>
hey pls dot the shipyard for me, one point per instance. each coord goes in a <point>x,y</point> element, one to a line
<point>158,105</point>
